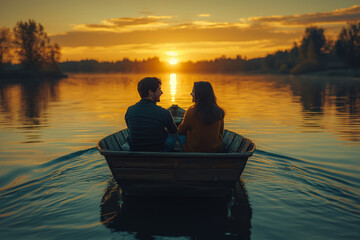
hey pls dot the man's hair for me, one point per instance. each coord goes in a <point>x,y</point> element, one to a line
<point>146,84</point>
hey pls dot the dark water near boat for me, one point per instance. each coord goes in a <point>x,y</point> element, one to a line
<point>302,182</point>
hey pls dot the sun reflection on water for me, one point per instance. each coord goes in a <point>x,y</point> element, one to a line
<point>173,86</point>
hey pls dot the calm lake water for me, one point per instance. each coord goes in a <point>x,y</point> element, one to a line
<point>303,181</point>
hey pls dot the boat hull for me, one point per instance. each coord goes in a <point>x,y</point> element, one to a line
<point>176,173</point>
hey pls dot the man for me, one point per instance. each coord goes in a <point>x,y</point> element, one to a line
<point>147,122</point>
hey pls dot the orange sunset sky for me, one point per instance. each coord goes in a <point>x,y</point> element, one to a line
<point>178,30</point>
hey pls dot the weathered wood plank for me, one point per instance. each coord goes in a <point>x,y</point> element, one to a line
<point>225,137</point>
<point>219,163</point>
<point>143,174</point>
<point>196,163</point>
<point>245,145</point>
<point>235,144</point>
<point>225,140</point>
<point>116,144</point>
<point>103,145</point>
<point>251,147</point>
<point>125,133</point>
<point>119,139</point>
<point>109,142</point>
<point>141,162</point>
<point>208,174</point>
<point>228,141</point>
<point>242,144</point>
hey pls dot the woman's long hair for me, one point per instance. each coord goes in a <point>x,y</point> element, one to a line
<point>205,103</point>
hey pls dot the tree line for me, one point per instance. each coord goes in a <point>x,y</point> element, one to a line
<point>125,65</point>
<point>28,44</point>
<point>315,52</point>
<point>318,52</point>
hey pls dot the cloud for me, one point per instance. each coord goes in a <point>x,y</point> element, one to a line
<point>188,33</point>
<point>198,40</point>
<point>336,16</point>
<point>125,24</point>
<point>272,23</point>
<point>152,34</point>
<point>203,15</point>
<point>210,24</point>
<point>146,13</point>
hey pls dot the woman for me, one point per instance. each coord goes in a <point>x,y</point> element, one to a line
<point>203,123</point>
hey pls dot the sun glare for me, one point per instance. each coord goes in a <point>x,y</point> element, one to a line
<point>173,61</point>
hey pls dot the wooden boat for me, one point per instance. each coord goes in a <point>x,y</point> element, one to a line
<point>176,173</point>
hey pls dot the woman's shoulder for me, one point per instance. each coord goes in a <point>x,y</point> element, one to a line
<point>190,109</point>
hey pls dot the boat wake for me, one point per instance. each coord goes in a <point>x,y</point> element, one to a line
<point>29,175</point>
<point>55,195</point>
<point>310,178</point>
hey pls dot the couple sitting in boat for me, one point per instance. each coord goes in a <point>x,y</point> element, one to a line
<point>201,129</point>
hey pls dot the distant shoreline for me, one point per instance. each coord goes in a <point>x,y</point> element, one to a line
<point>328,72</point>
<point>337,72</point>
<point>20,75</point>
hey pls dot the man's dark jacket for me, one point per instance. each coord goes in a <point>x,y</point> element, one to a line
<point>146,123</point>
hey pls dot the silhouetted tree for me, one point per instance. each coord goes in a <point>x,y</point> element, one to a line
<point>348,45</point>
<point>294,55</point>
<point>310,50</point>
<point>53,54</point>
<point>31,41</point>
<point>312,43</point>
<point>33,46</point>
<point>5,46</point>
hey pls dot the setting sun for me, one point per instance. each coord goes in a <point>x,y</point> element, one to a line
<point>173,61</point>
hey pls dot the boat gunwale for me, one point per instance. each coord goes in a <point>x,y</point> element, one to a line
<point>122,153</point>
<point>110,153</point>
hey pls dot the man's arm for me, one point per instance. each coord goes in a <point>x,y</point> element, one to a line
<point>170,124</point>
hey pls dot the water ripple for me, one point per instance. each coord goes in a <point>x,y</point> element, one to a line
<point>337,187</point>
<point>65,193</point>
<point>54,190</point>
